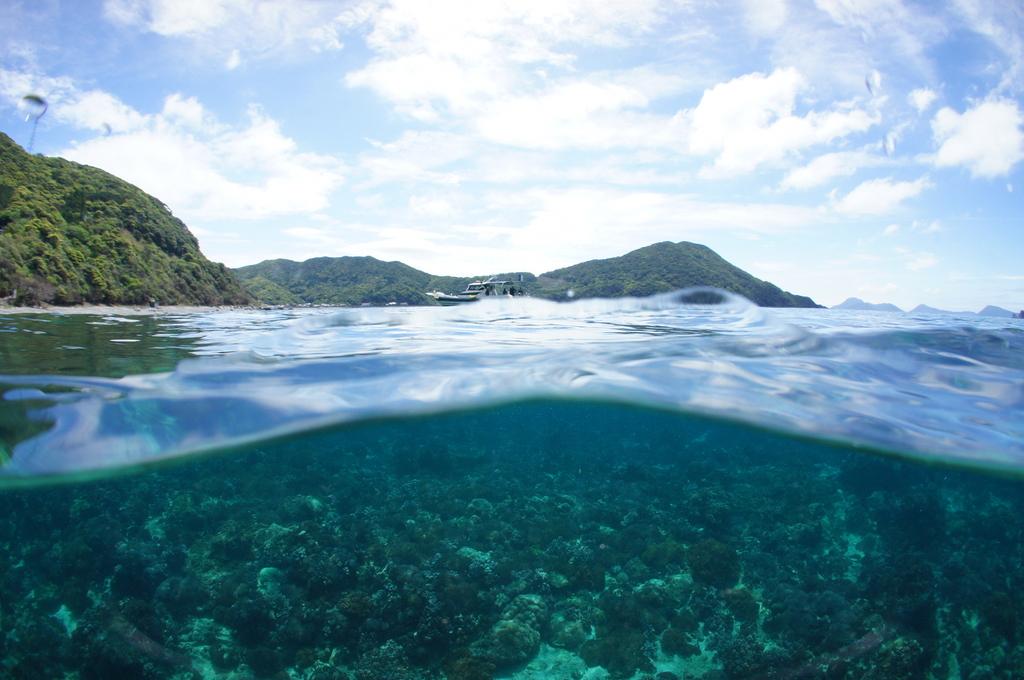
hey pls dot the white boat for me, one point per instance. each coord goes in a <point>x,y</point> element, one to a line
<point>476,290</point>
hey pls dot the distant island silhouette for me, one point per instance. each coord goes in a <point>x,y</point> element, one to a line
<point>858,304</point>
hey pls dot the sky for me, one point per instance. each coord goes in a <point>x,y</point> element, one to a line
<point>836,148</point>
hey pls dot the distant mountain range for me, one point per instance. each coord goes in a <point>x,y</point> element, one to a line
<point>857,303</point>
<point>653,269</point>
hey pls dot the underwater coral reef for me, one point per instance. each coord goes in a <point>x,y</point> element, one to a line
<point>535,540</point>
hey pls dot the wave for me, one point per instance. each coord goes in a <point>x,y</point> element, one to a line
<point>950,393</point>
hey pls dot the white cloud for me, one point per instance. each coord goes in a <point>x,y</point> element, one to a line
<point>16,84</point>
<point>576,224</point>
<point>647,167</point>
<point>306,232</point>
<point>446,55</point>
<point>750,121</point>
<point>421,84</point>
<point>94,110</point>
<point>891,230</point>
<point>987,139</point>
<point>233,27</point>
<point>541,229</point>
<point>922,261</point>
<point>881,289</point>
<point>234,60</point>
<point>888,24</point>
<point>506,72</point>
<point>316,241</point>
<point>432,250</point>
<point>772,267</point>
<point>186,111</point>
<point>922,98</point>
<point>880,196</point>
<point>545,228</point>
<point>828,166</point>
<point>431,207</point>
<point>926,226</point>
<point>764,17</point>
<point>199,167</point>
<point>838,44</point>
<point>417,156</point>
<point>450,159</point>
<point>1003,24</point>
<point>577,114</point>
<point>122,11</point>
<point>185,17</point>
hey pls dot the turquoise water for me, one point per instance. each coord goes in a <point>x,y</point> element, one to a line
<point>627,489</point>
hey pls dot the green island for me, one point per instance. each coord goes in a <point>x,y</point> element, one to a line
<point>73,234</point>
<point>657,268</point>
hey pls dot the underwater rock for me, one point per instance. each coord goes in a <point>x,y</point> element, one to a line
<point>249,620</point>
<point>620,651</point>
<point>387,662</point>
<point>508,643</point>
<point>481,507</point>
<point>469,668</point>
<point>304,507</point>
<point>1000,611</point>
<point>902,658</point>
<point>710,507</point>
<point>135,577</point>
<point>744,657</point>
<point>269,582</point>
<point>230,544</point>
<point>265,662</point>
<point>571,623</point>
<point>675,641</point>
<point>568,634</point>
<point>476,563</point>
<point>742,604</point>
<point>323,671</point>
<point>713,563</point>
<point>664,553</point>
<point>814,619</point>
<point>516,636</point>
<point>652,593</point>
<point>904,586</point>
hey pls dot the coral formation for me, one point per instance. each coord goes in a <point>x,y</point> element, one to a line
<point>511,551</point>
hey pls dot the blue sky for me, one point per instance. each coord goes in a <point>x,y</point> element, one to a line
<point>837,148</point>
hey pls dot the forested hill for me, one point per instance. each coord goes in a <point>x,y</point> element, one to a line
<point>657,268</point>
<point>344,281</point>
<point>663,267</point>
<point>71,233</point>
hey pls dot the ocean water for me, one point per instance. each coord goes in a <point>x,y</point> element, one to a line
<point>682,486</point>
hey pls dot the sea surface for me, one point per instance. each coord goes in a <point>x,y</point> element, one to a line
<point>681,486</point>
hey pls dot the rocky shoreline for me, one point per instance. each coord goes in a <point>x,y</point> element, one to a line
<point>128,310</point>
